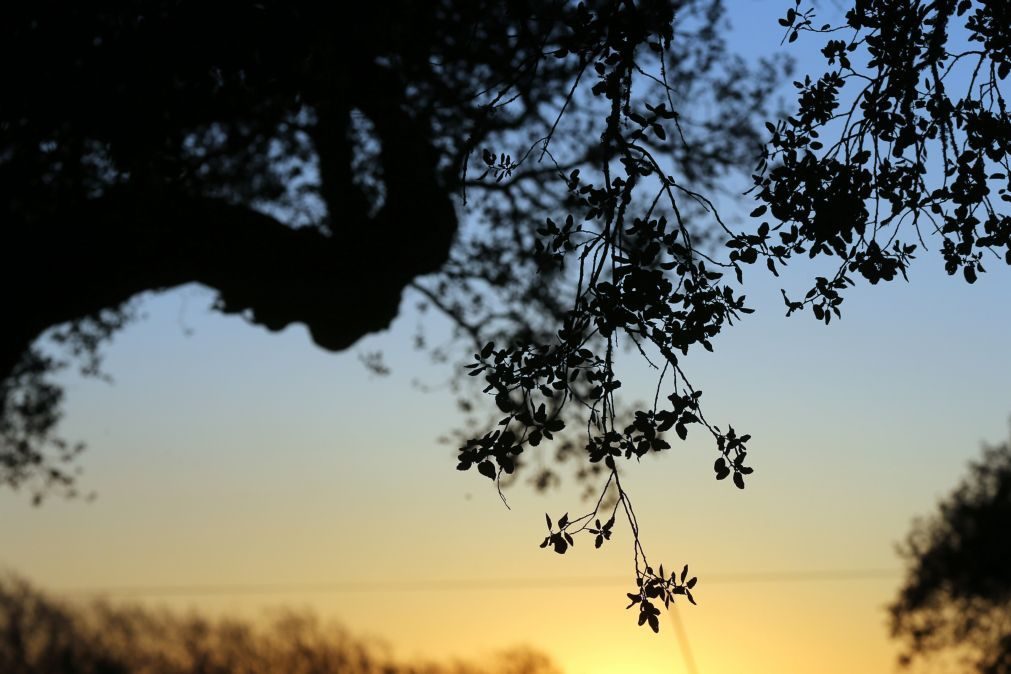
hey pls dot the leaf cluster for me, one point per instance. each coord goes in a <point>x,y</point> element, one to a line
<point>919,145</point>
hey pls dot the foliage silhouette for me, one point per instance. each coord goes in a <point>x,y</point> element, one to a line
<point>572,135</point>
<point>292,153</point>
<point>641,277</point>
<point>42,635</point>
<point>957,593</point>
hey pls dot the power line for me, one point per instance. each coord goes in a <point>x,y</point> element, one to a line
<point>472,584</point>
<point>449,585</point>
<point>803,576</point>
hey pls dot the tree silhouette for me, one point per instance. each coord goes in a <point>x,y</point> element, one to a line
<point>42,635</point>
<point>957,593</point>
<point>585,143</point>
<point>283,154</point>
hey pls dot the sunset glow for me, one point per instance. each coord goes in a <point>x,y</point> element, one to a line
<point>241,472</point>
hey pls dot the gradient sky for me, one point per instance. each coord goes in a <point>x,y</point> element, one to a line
<point>223,455</point>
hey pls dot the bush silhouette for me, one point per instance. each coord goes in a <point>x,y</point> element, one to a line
<point>42,635</point>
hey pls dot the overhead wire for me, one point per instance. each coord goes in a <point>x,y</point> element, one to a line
<point>450,585</point>
<point>471,584</point>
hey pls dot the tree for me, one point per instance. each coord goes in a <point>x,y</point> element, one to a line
<point>42,635</point>
<point>592,197</point>
<point>281,153</point>
<point>957,593</point>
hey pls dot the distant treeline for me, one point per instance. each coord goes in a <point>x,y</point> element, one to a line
<point>40,634</point>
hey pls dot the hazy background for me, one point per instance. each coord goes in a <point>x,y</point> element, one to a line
<point>237,469</point>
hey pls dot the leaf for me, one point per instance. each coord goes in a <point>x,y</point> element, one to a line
<point>739,480</point>
<point>759,211</point>
<point>504,402</point>
<point>487,469</point>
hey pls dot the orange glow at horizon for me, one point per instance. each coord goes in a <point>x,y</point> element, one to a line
<point>239,472</point>
<point>205,478</point>
<point>213,472</point>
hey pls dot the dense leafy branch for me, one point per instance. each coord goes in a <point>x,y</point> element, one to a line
<point>920,147</point>
<point>639,278</point>
<point>636,277</point>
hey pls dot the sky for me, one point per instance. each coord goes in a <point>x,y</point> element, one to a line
<point>237,470</point>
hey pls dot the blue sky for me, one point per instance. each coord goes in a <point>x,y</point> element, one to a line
<point>223,454</point>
